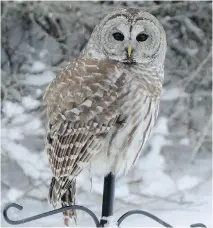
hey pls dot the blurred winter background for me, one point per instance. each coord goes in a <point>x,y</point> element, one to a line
<point>173,176</point>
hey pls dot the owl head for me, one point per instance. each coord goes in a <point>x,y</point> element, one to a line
<point>128,36</point>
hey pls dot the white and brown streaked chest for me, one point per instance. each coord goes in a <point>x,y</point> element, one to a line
<point>139,110</point>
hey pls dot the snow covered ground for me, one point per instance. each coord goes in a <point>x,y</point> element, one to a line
<point>180,209</point>
<point>177,191</point>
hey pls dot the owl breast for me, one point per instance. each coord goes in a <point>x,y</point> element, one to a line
<point>125,144</point>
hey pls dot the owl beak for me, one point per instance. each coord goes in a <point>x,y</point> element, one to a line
<point>129,50</point>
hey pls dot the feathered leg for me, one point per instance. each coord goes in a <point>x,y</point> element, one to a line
<point>68,199</point>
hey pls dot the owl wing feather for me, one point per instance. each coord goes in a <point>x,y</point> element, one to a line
<point>81,109</point>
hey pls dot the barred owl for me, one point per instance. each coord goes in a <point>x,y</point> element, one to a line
<point>102,107</point>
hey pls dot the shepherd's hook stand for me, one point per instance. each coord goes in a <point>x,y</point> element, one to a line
<point>107,209</point>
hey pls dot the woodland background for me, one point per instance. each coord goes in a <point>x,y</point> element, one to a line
<point>173,176</point>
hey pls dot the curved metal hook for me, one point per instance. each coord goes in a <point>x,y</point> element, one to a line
<point>155,218</point>
<point>120,220</point>
<point>49,213</point>
<point>82,208</point>
<point>198,225</point>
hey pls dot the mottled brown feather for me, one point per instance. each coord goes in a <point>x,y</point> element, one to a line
<point>79,116</point>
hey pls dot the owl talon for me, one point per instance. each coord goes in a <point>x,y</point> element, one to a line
<point>66,220</point>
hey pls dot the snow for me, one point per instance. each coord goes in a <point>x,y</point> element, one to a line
<point>33,125</point>
<point>43,54</point>
<point>153,164</point>
<point>111,221</point>
<point>161,126</point>
<point>37,67</point>
<point>29,162</point>
<point>39,79</point>
<point>15,133</point>
<point>39,92</point>
<point>11,109</point>
<point>13,194</point>
<point>122,190</point>
<point>29,102</point>
<point>184,141</point>
<point>178,216</point>
<point>172,94</point>
<point>20,119</point>
<point>153,182</point>
<point>39,192</point>
<point>187,182</point>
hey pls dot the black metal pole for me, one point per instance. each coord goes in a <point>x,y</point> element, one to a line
<point>108,198</point>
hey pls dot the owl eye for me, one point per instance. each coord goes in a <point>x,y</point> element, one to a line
<point>142,37</point>
<point>118,36</point>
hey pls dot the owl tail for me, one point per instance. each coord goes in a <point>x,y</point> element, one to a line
<point>67,199</point>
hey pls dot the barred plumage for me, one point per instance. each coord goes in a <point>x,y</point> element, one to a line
<point>101,108</point>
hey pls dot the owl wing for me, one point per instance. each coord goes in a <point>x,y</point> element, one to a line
<point>81,109</point>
